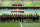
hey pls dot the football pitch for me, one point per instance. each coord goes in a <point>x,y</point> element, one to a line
<point>9,24</point>
<point>30,24</point>
<point>19,24</point>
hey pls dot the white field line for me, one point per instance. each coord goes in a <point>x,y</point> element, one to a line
<point>20,24</point>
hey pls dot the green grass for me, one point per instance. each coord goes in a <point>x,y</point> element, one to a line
<point>18,25</point>
<point>30,24</point>
<point>9,24</point>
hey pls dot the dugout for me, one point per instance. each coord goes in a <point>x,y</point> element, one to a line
<point>16,4</point>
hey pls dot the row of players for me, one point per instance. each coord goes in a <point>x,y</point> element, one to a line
<point>19,17</point>
<point>23,15</point>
